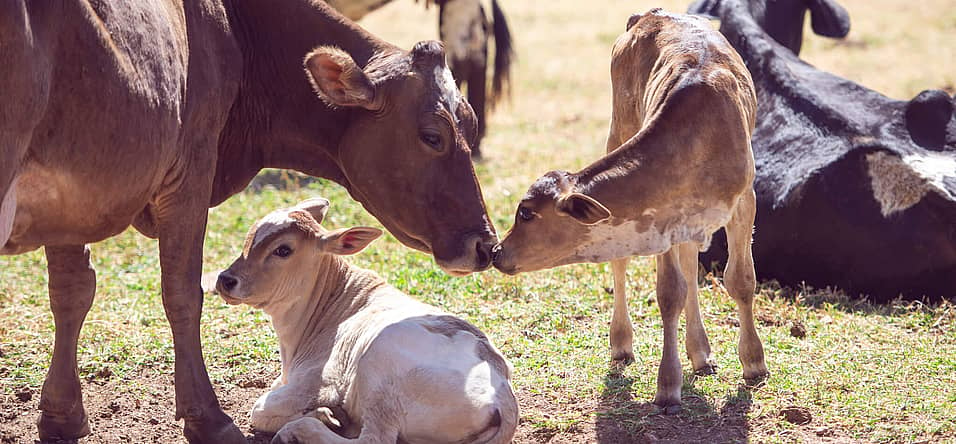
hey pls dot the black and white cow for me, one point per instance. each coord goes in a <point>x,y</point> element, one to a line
<point>854,189</point>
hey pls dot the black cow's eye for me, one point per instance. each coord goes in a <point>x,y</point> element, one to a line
<point>431,139</point>
<point>525,214</point>
<point>282,251</point>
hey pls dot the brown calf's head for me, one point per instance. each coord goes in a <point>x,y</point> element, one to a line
<point>406,153</point>
<point>284,253</point>
<point>551,222</point>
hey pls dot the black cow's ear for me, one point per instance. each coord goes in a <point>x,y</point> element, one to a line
<point>706,8</point>
<point>828,18</point>
<point>582,207</point>
<point>337,79</point>
<point>927,118</point>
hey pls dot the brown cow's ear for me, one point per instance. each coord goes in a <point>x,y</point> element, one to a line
<point>582,207</point>
<point>349,240</point>
<point>316,206</point>
<point>337,79</point>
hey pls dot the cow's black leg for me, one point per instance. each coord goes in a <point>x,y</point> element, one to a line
<point>72,286</point>
<point>671,294</point>
<point>741,282</point>
<point>182,225</point>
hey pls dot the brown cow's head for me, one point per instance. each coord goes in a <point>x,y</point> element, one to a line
<point>552,221</point>
<point>284,253</point>
<point>406,152</point>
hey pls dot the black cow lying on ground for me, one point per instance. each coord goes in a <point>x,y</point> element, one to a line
<point>854,189</point>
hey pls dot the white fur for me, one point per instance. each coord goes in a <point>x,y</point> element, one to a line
<point>8,208</point>
<point>616,239</point>
<point>450,96</point>
<point>273,223</point>
<point>899,183</point>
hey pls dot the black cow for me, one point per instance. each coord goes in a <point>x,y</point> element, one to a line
<point>854,189</point>
<point>783,19</point>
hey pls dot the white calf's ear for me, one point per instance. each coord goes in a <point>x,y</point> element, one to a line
<point>349,240</point>
<point>337,79</point>
<point>316,206</point>
<point>582,207</point>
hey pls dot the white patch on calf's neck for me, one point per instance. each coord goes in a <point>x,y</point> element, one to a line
<point>899,183</point>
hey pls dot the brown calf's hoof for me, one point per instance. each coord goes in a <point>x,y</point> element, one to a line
<point>672,409</point>
<point>756,379</point>
<point>216,429</point>
<point>622,358</point>
<point>60,428</point>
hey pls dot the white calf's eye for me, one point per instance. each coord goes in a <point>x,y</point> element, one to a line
<point>282,251</point>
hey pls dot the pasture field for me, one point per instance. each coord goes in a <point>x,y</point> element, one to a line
<point>859,373</point>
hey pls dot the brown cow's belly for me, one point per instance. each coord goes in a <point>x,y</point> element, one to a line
<point>57,207</point>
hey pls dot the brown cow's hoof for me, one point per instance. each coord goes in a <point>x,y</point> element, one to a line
<point>63,428</point>
<point>622,358</point>
<point>217,428</point>
<point>707,370</point>
<point>672,409</point>
<point>756,379</point>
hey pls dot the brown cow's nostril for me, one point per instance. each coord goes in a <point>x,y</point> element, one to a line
<point>483,255</point>
<point>227,282</point>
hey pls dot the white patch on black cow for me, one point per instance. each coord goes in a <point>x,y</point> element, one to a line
<point>899,183</point>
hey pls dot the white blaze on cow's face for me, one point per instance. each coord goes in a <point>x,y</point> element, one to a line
<point>284,253</point>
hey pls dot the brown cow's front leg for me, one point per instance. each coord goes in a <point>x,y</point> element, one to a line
<point>698,347</point>
<point>622,333</point>
<point>671,293</point>
<point>72,286</point>
<point>181,230</point>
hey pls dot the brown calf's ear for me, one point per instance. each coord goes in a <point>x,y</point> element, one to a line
<point>316,206</point>
<point>582,207</point>
<point>337,79</point>
<point>349,240</point>
<point>632,20</point>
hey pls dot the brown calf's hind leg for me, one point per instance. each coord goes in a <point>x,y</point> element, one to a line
<point>72,286</point>
<point>698,347</point>
<point>741,282</point>
<point>622,332</point>
<point>671,293</point>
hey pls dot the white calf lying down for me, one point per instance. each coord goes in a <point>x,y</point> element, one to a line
<point>360,359</point>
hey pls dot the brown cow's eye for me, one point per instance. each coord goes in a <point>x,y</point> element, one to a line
<point>431,139</point>
<point>525,214</point>
<point>282,251</point>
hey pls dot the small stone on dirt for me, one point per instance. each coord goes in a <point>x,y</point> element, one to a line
<point>797,415</point>
<point>24,395</point>
<point>798,330</point>
<point>252,383</point>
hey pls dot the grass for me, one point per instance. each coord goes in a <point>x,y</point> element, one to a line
<point>862,372</point>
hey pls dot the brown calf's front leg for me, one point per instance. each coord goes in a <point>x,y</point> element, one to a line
<point>671,293</point>
<point>698,347</point>
<point>181,229</point>
<point>741,282</point>
<point>72,286</point>
<point>622,332</point>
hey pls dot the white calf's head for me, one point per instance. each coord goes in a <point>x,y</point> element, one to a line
<point>284,253</point>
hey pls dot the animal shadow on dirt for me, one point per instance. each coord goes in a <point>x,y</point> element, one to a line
<point>622,419</point>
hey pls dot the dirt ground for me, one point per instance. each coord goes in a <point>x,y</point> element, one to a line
<point>140,410</point>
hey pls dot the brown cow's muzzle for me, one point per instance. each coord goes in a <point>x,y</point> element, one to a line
<point>472,254</point>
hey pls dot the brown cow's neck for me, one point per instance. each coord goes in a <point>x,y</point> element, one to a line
<point>277,120</point>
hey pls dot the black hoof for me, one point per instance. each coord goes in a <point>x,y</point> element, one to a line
<point>706,370</point>
<point>217,428</point>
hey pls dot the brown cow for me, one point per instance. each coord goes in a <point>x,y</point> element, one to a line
<point>148,112</point>
<point>679,167</point>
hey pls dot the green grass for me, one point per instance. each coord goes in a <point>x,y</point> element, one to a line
<point>867,373</point>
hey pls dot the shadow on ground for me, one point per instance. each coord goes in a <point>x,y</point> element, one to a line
<point>623,419</point>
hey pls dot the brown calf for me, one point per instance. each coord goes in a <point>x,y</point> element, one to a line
<point>679,167</point>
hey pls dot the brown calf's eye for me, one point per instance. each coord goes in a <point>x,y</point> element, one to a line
<point>525,214</point>
<point>282,251</point>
